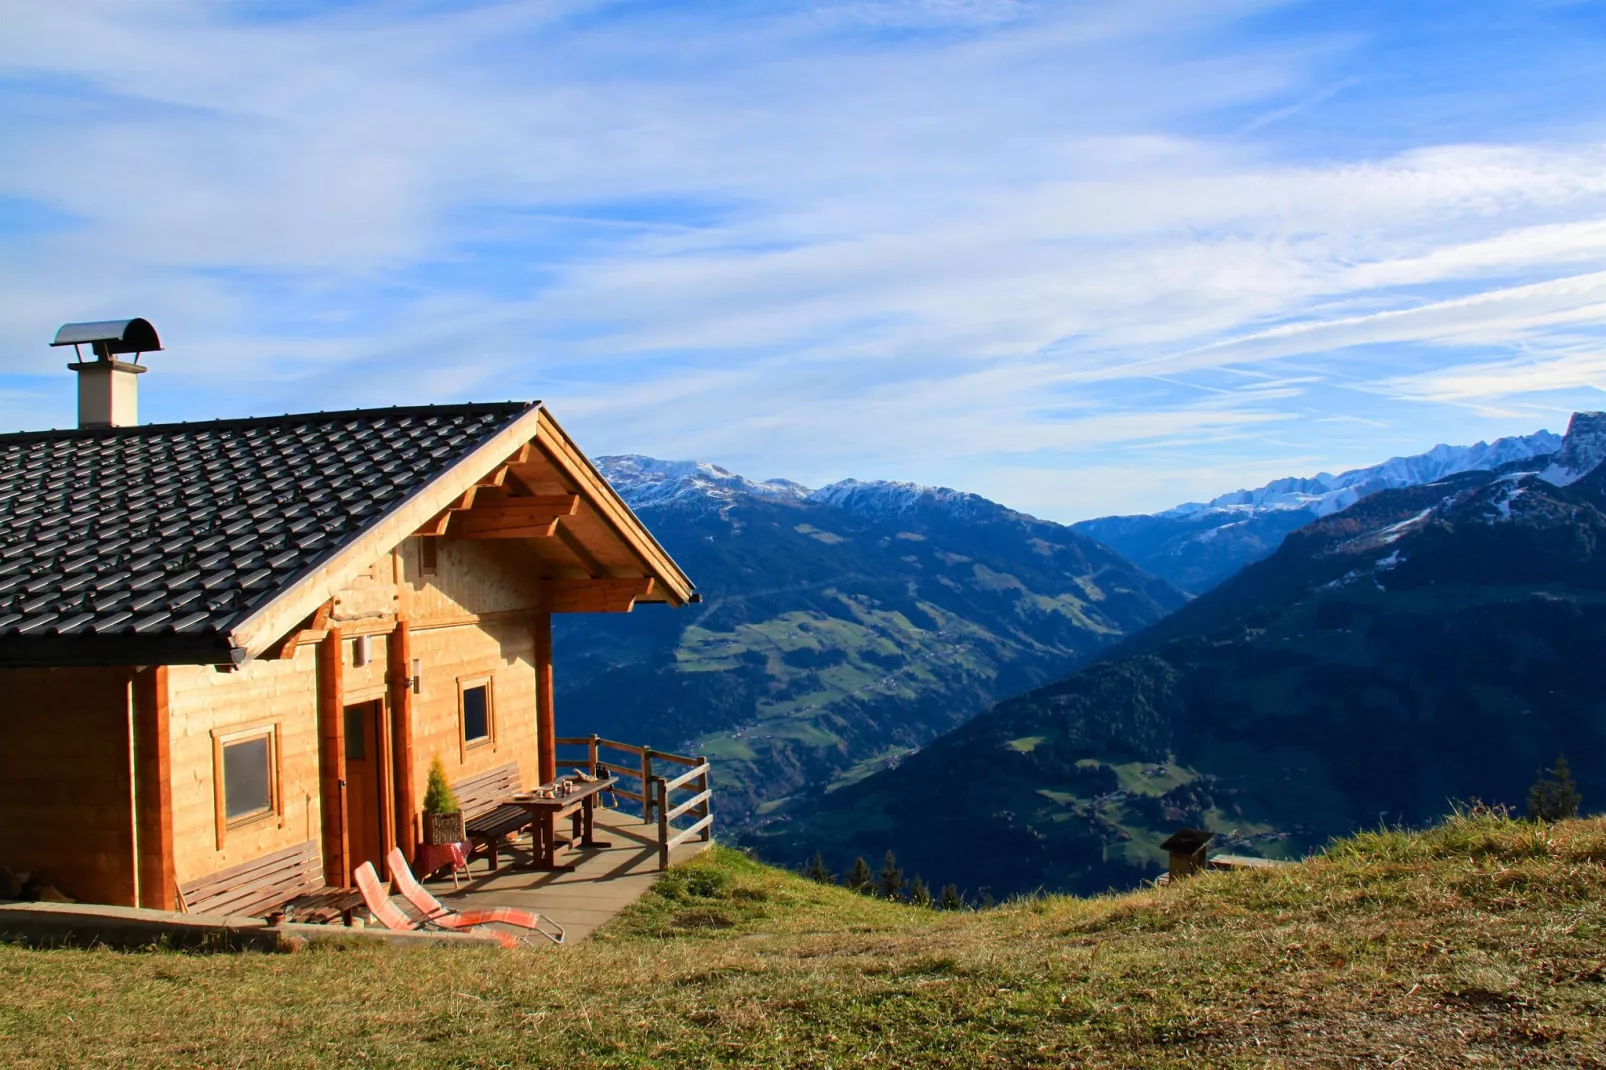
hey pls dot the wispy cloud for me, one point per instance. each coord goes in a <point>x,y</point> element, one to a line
<point>948,240</point>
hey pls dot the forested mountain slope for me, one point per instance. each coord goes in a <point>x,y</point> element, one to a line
<point>1429,643</point>
<point>839,628</point>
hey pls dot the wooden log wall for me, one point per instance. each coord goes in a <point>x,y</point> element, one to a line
<point>153,789</point>
<point>305,695</point>
<point>502,652</point>
<point>201,700</point>
<point>470,579</point>
<point>65,785</point>
<point>108,783</point>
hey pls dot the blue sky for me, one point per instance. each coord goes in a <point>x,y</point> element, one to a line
<point>1079,257</point>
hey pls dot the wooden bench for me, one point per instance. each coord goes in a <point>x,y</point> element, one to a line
<point>487,819</point>
<point>291,879</point>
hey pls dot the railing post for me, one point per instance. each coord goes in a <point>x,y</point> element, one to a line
<point>646,785</point>
<point>593,754</point>
<point>707,809</point>
<point>663,824</point>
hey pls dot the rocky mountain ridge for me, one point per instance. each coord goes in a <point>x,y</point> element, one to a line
<point>1430,643</point>
<point>840,628</point>
<point>1580,452</point>
<point>1325,493</point>
<point>1197,545</point>
<point>645,481</point>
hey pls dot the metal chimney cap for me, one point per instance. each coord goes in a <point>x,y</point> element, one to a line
<point>110,337</point>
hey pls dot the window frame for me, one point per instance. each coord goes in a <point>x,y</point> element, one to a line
<point>430,564</point>
<point>468,683</point>
<point>224,737</point>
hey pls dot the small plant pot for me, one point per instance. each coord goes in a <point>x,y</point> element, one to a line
<point>444,828</point>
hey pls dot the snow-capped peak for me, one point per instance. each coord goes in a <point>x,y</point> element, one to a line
<point>1325,493</point>
<point>881,497</point>
<point>1582,449</point>
<point>643,481</point>
<point>647,481</point>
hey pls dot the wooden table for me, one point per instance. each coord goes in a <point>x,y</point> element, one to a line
<point>579,806</point>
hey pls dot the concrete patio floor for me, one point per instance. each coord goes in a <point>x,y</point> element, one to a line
<point>603,882</point>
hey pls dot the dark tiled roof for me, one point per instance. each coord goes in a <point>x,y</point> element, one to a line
<point>151,543</point>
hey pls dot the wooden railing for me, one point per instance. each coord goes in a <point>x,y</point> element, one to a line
<point>698,806</point>
<point>639,772</point>
<point>633,767</point>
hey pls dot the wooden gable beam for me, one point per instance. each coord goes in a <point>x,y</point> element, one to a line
<point>264,628</point>
<point>437,524</point>
<point>313,625</point>
<point>516,518</point>
<point>615,516</point>
<point>588,561</point>
<point>597,596</point>
<point>465,501</point>
<point>436,527</point>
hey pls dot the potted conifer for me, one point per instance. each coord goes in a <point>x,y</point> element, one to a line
<point>443,817</point>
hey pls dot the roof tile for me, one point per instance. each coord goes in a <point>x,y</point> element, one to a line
<point>163,516</point>
<point>73,623</point>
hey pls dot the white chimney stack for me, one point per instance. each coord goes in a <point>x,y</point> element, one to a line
<point>108,388</point>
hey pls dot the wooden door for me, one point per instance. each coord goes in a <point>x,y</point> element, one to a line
<point>365,784</point>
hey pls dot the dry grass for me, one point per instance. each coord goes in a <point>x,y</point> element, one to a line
<point>1482,942</point>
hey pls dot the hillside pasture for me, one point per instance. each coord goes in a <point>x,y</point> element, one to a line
<point>1480,942</point>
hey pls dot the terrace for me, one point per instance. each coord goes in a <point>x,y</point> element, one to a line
<point>602,882</point>
<point>657,792</point>
<point>588,887</point>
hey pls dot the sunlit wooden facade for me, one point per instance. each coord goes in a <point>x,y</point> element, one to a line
<point>425,634</point>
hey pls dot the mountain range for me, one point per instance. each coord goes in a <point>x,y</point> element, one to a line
<point>1425,644</point>
<point>1197,545</point>
<point>840,628</point>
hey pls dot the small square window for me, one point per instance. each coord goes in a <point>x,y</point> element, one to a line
<point>247,778</point>
<point>428,554</point>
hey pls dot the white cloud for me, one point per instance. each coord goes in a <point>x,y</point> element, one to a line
<point>817,242</point>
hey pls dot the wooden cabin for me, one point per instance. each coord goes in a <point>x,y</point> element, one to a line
<point>229,640</point>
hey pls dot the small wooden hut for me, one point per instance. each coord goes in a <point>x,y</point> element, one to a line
<point>1186,849</point>
<point>243,640</point>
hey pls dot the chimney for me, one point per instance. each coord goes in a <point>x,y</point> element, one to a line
<point>108,388</point>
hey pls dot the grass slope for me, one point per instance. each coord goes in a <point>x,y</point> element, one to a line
<point>1480,942</point>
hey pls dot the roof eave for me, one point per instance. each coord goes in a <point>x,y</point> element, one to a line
<point>271,621</point>
<point>104,651</point>
<point>672,582</point>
